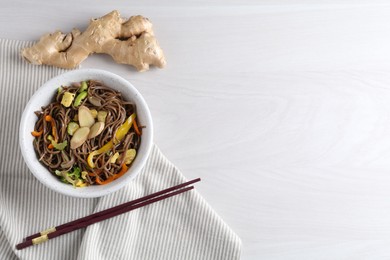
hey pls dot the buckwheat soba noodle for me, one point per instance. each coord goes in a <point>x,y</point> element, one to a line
<point>87,135</point>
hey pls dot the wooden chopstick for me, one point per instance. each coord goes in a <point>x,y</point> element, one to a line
<point>103,212</point>
<point>109,213</point>
<point>84,224</point>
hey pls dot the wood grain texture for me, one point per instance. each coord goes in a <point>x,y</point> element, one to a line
<point>283,109</point>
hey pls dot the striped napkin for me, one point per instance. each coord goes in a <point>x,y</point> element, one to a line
<point>182,227</point>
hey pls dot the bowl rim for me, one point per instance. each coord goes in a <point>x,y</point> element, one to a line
<point>94,191</point>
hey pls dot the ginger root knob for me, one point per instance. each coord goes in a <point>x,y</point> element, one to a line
<point>129,42</point>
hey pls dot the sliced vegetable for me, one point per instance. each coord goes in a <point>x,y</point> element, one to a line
<point>124,128</point>
<point>95,101</point>
<point>72,177</point>
<point>104,149</point>
<point>80,97</point>
<point>120,134</point>
<point>113,177</point>
<point>54,144</point>
<point>98,181</point>
<point>114,157</point>
<point>85,117</point>
<point>59,146</point>
<point>67,99</point>
<point>101,116</point>
<point>130,155</point>
<point>67,177</point>
<point>72,127</point>
<point>75,173</point>
<point>50,119</point>
<point>84,175</point>
<point>37,134</point>
<point>64,176</point>
<point>79,137</point>
<point>84,86</point>
<point>80,184</point>
<point>136,129</point>
<point>64,180</point>
<point>96,129</point>
<point>122,172</point>
<point>94,173</point>
<point>93,113</point>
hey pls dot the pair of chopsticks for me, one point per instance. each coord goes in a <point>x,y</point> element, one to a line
<point>60,230</point>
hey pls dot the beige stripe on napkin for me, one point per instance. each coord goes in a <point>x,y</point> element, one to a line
<point>182,227</point>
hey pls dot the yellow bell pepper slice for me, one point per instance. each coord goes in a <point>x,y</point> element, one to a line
<point>120,134</point>
<point>124,128</point>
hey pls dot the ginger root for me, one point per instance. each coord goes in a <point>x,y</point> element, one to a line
<point>127,41</point>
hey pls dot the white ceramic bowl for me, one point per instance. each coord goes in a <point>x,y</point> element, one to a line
<point>44,95</point>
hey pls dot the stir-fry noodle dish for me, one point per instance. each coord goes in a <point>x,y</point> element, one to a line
<point>87,135</point>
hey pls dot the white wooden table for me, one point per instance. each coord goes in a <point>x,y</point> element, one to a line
<point>282,108</point>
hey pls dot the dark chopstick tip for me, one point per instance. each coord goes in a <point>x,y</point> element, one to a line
<point>23,245</point>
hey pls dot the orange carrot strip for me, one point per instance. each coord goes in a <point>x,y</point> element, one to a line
<point>114,177</point>
<point>36,133</point>
<point>94,173</point>
<point>98,181</point>
<point>50,146</point>
<point>123,171</point>
<point>138,132</point>
<point>50,119</point>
